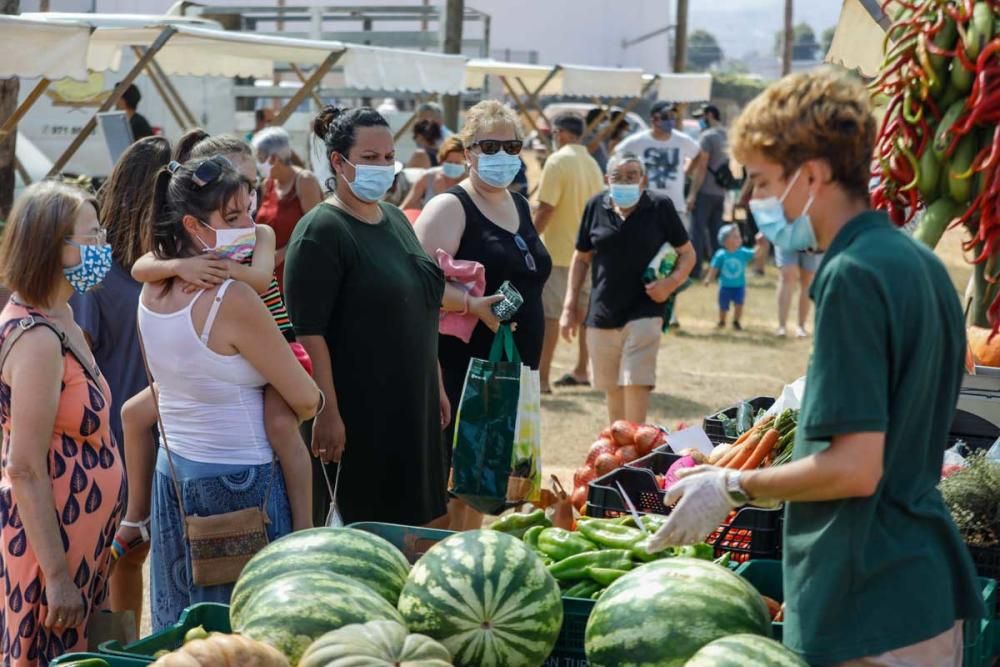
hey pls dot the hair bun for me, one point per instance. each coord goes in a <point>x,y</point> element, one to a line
<point>321,124</point>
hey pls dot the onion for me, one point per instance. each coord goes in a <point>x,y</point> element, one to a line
<point>602,446</point>
<point>698,457</point>
<point>628,453</point>
<point>646,438</point>
<point>583,476</point>
<point>623,433</point>
<point>606,463</point>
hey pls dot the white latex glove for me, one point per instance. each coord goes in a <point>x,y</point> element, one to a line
<point>704,505</point>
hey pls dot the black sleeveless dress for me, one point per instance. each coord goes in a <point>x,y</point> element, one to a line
<point>496,249</point>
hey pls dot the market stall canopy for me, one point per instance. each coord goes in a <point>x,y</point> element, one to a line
<point>49,49</point>
<point>203,52</point>
<point>682,88</point>
<point>374,68</point>
<point>571,80</point>
<point>857,41</point>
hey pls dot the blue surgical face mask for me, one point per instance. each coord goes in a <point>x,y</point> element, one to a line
<point>498,169</point>
<point>453,169</point>
<point>703,124</point>
<point>95,262</point>
<point>667,124</point>
<point>371,182</point>
<point>626,195</point>
<point>769,214</point>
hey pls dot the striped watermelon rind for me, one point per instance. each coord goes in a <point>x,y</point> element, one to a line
<point>291,611</point>
<point>742,650</point>
<point>662,613</point>
<point>487,597</point>
<point>357,554</point>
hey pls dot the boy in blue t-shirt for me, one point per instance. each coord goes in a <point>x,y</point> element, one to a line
<point>730,265</point>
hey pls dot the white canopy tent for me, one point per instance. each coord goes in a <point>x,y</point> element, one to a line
<point>168,46</point>
<point>682,88</point>
<point>570,80</point>
<point>47,49</point>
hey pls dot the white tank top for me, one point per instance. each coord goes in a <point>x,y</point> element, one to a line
<point>212,405</point>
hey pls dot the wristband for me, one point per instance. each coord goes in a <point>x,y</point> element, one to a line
<point>322,403</point>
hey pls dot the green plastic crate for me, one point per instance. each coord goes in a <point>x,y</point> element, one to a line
<point>980,636</point>
<point>112,660</point>
<point>212,616</point>
<point>414,543</point>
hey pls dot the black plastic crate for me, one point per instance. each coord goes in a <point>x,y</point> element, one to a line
<point>714,428</point>
<point>748,533</point>
<point>976,432</point>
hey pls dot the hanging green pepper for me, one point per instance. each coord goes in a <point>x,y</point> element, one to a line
<point>605,576</point>
<point>560,544</point>
<point>611,536</point>
<point>583,589</point>
<point>530,536</point>
<point>702,551</point>
<point>575,567</point>
<point>517,523</point>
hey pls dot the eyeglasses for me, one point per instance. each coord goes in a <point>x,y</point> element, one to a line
<point>492,146</point>
<point>100,237</point>
<point>206,172</point>
<point>529,260</point>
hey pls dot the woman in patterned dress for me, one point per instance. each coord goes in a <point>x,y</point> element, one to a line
<point>62,486</point>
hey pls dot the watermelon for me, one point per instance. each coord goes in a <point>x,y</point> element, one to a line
<point>741,650</point>
<point>291,611</point>
<point>375,644</point>
<point>663,612</point>
<point>353,553</point>
<point>487,597</point>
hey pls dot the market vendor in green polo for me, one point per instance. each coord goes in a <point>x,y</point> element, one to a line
<point>875,571</point>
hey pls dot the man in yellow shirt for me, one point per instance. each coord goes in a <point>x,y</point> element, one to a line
<point>569,179</point>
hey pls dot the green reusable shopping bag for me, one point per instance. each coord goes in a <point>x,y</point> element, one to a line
<point>485,426</point>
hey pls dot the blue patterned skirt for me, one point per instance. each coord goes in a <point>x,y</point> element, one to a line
<point>208,488</point>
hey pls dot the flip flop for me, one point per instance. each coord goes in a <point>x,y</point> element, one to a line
<point>569,381</point>
<point>119,548</point>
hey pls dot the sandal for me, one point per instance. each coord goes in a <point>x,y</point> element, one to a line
<point>119,548</point>
<point>569,381</point>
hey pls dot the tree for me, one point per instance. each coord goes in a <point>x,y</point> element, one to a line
<point>805,45</point>
<point>9,89</point>
<point>703,50</point>
<point>826,40</point>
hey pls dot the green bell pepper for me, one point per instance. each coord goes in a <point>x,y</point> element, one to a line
<point>605,576</point>
<point>640,551</point>
<point>598,594</point>
<point>610,536</point>
<point>723,560</point>
<point>702,551</point>
<point>560,544</point>
<point>530,536</point>
<point>583,589</point>
<point>517,523</point>
<point>575,567</point>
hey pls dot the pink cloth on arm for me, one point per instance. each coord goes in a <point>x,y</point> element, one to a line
<point>465,275</point>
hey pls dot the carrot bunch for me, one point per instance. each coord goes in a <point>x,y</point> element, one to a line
<point>769,442</point>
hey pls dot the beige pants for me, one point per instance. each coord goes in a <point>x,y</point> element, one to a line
<point>945,650</point>
<point>554,292</point>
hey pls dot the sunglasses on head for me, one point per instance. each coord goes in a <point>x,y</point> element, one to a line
<point>492,146</point>
<point>206,172</point>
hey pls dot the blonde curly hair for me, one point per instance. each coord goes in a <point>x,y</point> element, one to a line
<point>486,116</point>
<point>822,114</point>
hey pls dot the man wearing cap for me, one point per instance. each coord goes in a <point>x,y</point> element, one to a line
<point>707,197</point>
<point>570,178</point>
<point>665,151</point>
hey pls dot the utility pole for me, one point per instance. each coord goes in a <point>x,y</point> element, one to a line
<point>9,89</point>
<point>454,15</point>
<point>789,41</point>
<point>681,37</point>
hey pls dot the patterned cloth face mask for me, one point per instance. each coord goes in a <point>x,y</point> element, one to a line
<point>95,262</point>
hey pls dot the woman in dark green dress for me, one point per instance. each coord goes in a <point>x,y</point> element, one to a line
<point>364,298</point>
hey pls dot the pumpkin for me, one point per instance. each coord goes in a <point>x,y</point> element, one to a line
<point>984,352</point>
<point>375,644</point>
<point>221,650</point>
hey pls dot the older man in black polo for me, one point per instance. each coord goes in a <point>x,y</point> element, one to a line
<point>622,230</point>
